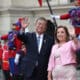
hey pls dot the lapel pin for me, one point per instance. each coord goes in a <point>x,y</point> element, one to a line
<point>44,41</point>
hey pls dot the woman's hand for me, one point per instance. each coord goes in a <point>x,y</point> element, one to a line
<point>49,78</point>
<point>75,39</point>
<point>49,75</point>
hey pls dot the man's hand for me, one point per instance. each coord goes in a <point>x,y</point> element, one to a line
<point>24,23</point>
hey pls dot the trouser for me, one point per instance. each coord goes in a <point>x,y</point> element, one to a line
<point>38,74</point>
<point>6,74</point>
<point>17,77</point>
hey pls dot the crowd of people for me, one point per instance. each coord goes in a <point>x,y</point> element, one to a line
<point>14,52</point>
<point>49,53</point>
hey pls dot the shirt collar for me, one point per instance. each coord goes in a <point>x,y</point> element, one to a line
<point>39,35</point>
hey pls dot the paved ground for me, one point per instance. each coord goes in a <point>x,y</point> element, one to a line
<point>78,75</point>
<point>1,75</point>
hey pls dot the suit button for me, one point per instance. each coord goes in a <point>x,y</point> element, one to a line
<point>36,63</point>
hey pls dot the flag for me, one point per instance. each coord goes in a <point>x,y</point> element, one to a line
<point>40,3</point>
<point>78,0</point>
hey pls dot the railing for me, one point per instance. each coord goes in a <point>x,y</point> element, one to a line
<point>59,2</point>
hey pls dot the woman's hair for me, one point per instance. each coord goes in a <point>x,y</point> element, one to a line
<point>50,28</point>
<point>66,31</point>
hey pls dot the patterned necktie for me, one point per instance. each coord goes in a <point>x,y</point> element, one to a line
<point>38,40</point>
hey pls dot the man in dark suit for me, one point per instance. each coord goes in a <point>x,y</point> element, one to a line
<point>36,60</point>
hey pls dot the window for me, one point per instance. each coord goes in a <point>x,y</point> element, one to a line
<point>45,0</point>
<point>71,1</point>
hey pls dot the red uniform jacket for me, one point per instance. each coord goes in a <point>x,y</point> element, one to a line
<point>5,58</point>
<point>1,51</point>
<point>67,16</point>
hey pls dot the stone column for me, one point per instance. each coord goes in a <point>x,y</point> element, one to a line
<point>5,22</point>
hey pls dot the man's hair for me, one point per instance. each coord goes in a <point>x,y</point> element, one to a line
<point>41,18</point>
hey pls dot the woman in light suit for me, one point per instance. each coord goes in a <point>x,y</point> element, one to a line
<point>62,61</point>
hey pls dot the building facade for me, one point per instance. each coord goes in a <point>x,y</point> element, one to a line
<point>11,10</point>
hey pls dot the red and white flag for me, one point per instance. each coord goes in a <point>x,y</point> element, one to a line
<point>40,3</point>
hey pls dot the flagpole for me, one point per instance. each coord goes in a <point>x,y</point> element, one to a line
<point>51,12</point>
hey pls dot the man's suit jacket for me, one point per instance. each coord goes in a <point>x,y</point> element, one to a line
<point>32,55</point>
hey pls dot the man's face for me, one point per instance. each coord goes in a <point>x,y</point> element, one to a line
<point>40,26</point>
<point>13,27</point>
<point>77,3</point>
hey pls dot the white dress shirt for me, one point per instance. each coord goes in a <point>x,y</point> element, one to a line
<point>41,40</point>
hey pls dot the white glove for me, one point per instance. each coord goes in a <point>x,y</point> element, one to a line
<point>55,16</point>
<point>79,37</point>
<point>16,60</point>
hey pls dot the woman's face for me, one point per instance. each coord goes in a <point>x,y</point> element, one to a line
<point>61,35</point>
